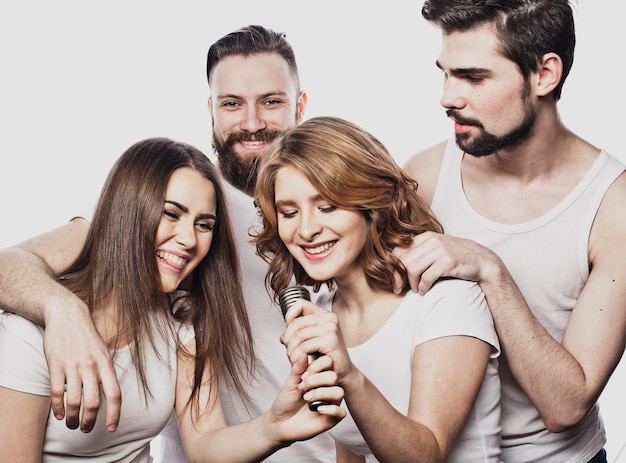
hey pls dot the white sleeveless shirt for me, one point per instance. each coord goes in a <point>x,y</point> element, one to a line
<point>547,258</point>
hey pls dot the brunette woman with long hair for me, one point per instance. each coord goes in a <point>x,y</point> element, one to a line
<point>159,272</point>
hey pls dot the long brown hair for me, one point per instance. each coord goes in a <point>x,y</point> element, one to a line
<point>117,266</point>
<point>352,170</point>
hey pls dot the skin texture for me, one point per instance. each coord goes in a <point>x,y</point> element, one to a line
<point>563,380</point>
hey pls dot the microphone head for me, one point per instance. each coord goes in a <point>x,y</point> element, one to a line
<point>288,296</point>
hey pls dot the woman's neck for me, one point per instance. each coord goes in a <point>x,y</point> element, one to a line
<point>362,311</point>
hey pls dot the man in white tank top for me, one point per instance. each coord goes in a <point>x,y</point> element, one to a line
<point>533,213</point>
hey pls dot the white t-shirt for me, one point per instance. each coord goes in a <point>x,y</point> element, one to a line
<point>23,367</point>
<point>450,308</point>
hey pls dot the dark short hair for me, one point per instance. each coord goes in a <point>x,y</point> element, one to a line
<point>527,29</point>
<point>252,40</point>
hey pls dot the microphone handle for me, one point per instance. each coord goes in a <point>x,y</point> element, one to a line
<point>286,298</point>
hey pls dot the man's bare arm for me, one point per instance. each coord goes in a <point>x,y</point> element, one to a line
<point>77,356</point>
<point>565,379</point>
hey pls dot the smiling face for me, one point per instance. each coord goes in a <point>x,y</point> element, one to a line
<point>326,240</point>
<point>484,93</point>
<point>185,231</point>
<point>254,99</point>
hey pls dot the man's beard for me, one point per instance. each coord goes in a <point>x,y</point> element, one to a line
<point>241,172</point>
<point>486,143</point>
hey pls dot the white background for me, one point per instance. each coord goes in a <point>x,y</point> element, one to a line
<point>81,81</point>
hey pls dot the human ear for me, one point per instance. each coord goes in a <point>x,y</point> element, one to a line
<point>301,106</point>
<point>549,75</point>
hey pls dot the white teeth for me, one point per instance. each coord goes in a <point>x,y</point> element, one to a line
<point>252,142</point>
<point>321,248</point>
<point>172,258</point>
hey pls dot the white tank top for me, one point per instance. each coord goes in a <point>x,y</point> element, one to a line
<point>547,257</point>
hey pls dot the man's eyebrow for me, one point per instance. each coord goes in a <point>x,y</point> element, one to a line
<point>280,93</point>
<point>464,71</point>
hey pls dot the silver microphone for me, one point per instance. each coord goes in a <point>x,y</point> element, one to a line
<point>286,299</point>
<point>288,296</point>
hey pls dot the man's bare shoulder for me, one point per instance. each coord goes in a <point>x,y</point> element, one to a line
<point>60,246</point>
<point>607,241</point>
<point>612,211</point>
<point>424,167</point>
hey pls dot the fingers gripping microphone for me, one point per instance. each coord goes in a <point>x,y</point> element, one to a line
<point>288,296</point>
<point>286,299</point>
